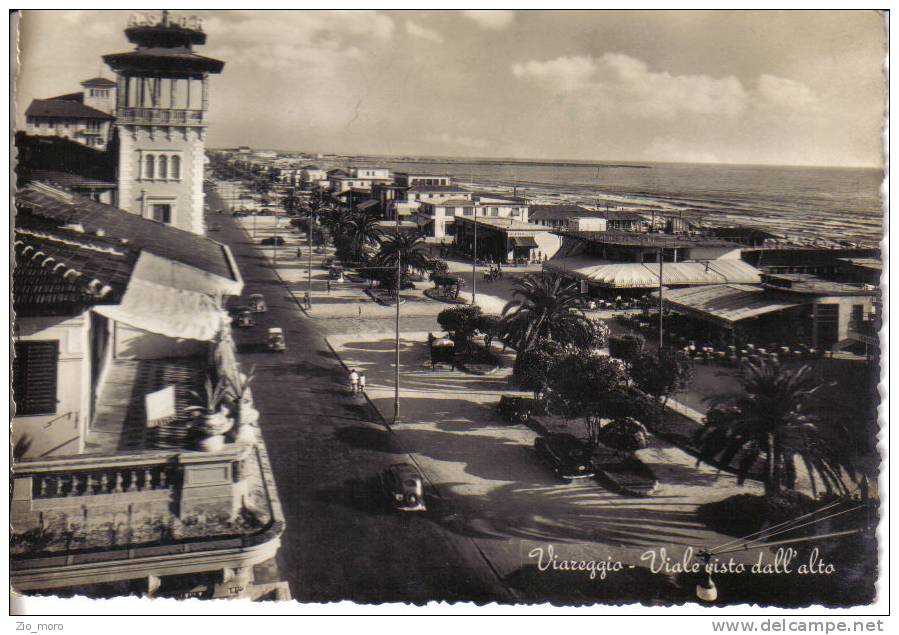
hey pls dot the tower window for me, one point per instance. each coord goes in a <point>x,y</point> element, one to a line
<point>163,167</point>
<point>176,167</point>
<point>161,212</point>
<point>150,166</point>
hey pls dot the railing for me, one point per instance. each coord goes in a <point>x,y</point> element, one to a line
<point>114,481</point>
<point>160,116</point>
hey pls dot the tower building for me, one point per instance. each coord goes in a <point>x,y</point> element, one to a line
<point>161,104</point>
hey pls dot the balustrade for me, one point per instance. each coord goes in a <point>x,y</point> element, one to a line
<point>160,116</point>
<point>113,481</point>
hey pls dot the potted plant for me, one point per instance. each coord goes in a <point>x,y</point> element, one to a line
<point>245,415</point>
<point>212,415</point>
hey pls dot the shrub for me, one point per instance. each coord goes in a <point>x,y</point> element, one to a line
<point>626,347</point>
<point>625,435</point>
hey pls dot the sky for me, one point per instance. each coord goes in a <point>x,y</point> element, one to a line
<point>784,88</point>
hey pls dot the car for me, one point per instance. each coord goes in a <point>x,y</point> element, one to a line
<point>275,341</point>
<point>569,457</point>
<point>402,484</point>
<point>244,317</point>
<point>257,303</point>
<point>273,240</point>
<point>239,214</point>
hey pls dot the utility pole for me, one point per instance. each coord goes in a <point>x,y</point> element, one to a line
<point>399,280</point>
<point>474,260</point>
<point>661,330</point>
<point>309,245</point>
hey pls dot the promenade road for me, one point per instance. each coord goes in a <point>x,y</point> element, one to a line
<point>325,448</point>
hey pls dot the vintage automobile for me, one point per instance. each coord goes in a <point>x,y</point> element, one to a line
<point>335,273</point>
<point>443,351</point>
<point>257,303</point>
<point>519,409</point>
<point>568,456</point>
<point>402,484</point>
<point>244,317</point>
<point>272,240</point>
<point>275,341</point>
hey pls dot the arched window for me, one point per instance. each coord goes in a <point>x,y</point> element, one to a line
<point>176,167</point>
<point>163,167</point>
<point>149,166</point>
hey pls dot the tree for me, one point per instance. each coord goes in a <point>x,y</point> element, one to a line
<point>772,420</point>
<point>661,375</point>
<point>292,203</point>
<point>546,308</point>
<point>585,384</point>
<point>532,366</point>
<point>407,246</point>
<point>362,232</point>
<point>461,322</point>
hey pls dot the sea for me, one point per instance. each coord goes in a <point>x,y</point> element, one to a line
<point>804,205</point>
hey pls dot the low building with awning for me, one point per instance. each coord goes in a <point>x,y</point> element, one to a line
<point>504,239</point>
<point>725,304</point>
<point>606,274</point>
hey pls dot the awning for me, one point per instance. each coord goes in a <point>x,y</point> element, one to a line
<point>166,311</point>
<point>724,304</point>
<point>635,275</point>
<point>524,241</point>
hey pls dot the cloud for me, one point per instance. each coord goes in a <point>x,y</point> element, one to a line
<point>565,73</point>
<point>618,83</point>
<point>493,20</point>
<point>446,138</point>
<point>424,33</point>
<point>781,92</point>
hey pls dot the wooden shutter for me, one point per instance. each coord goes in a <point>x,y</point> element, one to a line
<point>34,377</point>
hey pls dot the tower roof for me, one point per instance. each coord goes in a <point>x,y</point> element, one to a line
<point>179,59</point>
<point>101,82</point>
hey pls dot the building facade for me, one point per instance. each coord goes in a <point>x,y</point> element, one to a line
<point>161,104</point>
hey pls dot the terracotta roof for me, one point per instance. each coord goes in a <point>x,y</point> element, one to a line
<point>98,81</point>
<point>62,269</point>
<point>66,179</point>
<point>64,109</point>
<point>62,207</point>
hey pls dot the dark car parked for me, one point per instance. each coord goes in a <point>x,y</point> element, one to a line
<point>402,484</point>
<point>273,240</point>
<point>568,456</point>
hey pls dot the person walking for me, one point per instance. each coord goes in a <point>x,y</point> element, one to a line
<point>354,381</point>
<point>306,300</point>
<point>329,285</point>
<point>361,382</point>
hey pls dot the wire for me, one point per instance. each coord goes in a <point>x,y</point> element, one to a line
<point>745,545</point>
<point>836,534</point>
<point>779,525</point>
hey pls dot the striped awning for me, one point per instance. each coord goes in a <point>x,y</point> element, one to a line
<point>635,275</point>
<point>724,303</point>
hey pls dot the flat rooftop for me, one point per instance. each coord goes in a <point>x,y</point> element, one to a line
<point>812,284</point>
<point>635,239</point>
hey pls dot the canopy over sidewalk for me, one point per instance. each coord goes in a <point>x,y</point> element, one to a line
<point>166,311</point>
<point>635,275</point>
<point>724,304</point>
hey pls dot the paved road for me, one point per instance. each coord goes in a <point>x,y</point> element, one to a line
<point>325,447</point>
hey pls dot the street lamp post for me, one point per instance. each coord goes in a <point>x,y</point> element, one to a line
<point>309,245</point>
<point>399,280</point>
<point>474,260</point>
<point>661,330</point>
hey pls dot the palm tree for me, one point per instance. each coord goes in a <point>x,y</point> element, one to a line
<point>546,308</point>
<point>292,203</point>
<point>771,419</point>
<point>362,231</point>
<point>409,246</point>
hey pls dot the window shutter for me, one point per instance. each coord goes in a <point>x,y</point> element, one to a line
<point>34,377</point>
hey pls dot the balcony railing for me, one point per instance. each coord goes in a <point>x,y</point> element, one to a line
<point>161,116</point>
